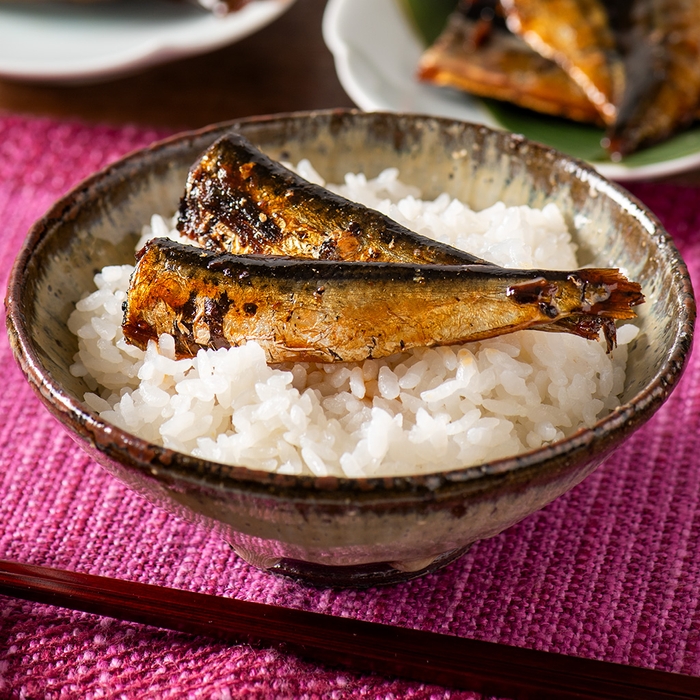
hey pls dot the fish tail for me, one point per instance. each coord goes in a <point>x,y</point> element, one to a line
<point>607,292</point>
<point>583,303</point>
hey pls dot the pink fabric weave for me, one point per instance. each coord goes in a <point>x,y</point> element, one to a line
<point>610,571</point>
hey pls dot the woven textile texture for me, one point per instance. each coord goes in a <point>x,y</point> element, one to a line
<point>609,571</point>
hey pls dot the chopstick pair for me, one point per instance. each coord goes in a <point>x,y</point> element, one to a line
<point>428,657</point>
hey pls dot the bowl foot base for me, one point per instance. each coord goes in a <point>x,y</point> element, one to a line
<point>362,575</point>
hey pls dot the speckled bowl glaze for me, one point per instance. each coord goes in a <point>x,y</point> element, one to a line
<point>331,531</point>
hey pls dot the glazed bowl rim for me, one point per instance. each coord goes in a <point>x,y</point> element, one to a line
<point>166,464</point>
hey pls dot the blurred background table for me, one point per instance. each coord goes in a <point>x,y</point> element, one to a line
<point>284,67</point>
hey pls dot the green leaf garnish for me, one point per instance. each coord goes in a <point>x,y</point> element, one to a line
<point>579,140</point>
<point>583,141</point>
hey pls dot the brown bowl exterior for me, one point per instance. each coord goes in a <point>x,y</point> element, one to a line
<point>350,531</point>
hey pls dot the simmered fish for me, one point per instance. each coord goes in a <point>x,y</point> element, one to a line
<point>330,311</point>
<point>240,201</point>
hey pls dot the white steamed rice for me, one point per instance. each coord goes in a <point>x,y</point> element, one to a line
<point>419,412</point>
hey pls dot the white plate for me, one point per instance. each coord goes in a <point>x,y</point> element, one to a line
<point>376,52</point>
<point>51,41</point>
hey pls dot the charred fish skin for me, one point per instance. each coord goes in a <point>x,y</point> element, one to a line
<point>328,311</point>
<point>240,201</point>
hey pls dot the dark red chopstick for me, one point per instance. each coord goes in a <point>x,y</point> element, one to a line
<point>364,646</point>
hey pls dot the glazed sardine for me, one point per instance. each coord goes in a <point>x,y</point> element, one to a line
<point>330,311</point>
<point>240,201</point>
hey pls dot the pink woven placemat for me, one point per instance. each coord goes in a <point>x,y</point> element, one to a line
<point>611,570</point>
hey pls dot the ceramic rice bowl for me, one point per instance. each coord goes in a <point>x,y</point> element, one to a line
<point>327,530</point>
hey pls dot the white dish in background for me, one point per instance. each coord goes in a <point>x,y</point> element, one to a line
<point>48,41</point>
<point>376,52</point>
